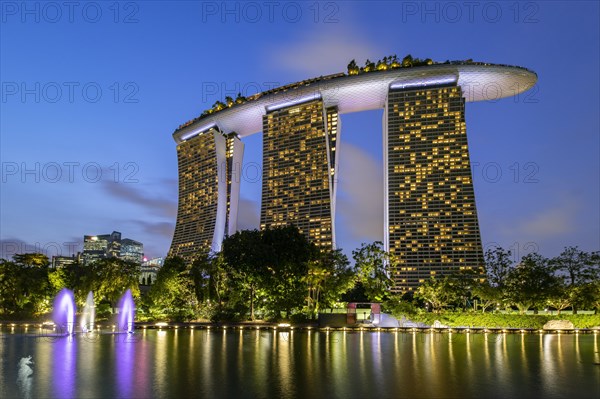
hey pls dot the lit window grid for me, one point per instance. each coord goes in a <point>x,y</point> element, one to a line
<point>297,170</point>
<point>433,227</point>
<point>198,196</point>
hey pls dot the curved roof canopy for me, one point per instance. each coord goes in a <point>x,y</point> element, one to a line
<point>365,91</point>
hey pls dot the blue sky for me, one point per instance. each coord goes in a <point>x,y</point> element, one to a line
<point>91,94</point>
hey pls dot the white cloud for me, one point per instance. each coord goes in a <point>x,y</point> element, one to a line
<point>321,52</point>
<point>551,222</point>
<point>360,194</point>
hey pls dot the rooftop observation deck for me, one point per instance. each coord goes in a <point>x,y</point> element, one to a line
<point>363,92</point>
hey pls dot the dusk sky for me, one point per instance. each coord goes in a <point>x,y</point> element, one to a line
<point>92,92</point>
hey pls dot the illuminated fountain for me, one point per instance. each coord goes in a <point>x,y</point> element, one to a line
<point>126,312</point>
<point>63,314</point>
<point>89,314</point>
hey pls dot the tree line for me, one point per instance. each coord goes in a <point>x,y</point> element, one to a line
<point>570,280</point>
<point>277,274</point>
<point>28,284</point>
<point>267,274</point>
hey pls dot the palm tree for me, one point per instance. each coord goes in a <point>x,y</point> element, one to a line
<point>369,66</point>
<point>353,68</point>
<point>381,66</point>
<point>240,99</point>
<point>218,105</point>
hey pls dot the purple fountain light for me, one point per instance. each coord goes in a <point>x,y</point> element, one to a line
<point>63,313</point>
<point>126,312</point>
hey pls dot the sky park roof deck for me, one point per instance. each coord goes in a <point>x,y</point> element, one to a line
<point>364,91</point>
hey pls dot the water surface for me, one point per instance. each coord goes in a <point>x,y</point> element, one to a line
<point>267,363</point>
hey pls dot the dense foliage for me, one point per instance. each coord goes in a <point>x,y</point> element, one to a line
<point>503,320</point>
<point>269,274</point>
<point>28,284</point>
<point>277,274</point>
<point>568,281</point>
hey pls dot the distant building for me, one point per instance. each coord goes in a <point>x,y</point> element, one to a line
<point>106,246</point>
<point>149,270</point>
<point>62,261</point>
<point>94,248</point>
<point>132,250</point>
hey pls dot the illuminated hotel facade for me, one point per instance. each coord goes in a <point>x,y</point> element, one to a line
<point>430,216</point>
<point>299,147</point>
<point>209,181</point>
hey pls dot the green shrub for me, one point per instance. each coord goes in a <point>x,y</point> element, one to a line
<point>581,320</point>
<point>399,307</point>
<point>501,320</point>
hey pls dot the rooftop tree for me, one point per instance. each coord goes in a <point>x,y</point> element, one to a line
<point>353,68</point>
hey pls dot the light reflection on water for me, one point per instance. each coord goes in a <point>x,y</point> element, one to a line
<point>64,363</point>
<point>267,363</point>
<point>125,364</point>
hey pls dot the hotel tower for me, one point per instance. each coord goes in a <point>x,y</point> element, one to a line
<point>430,216</point>
<point>299,148</point>
<point>209,186</point>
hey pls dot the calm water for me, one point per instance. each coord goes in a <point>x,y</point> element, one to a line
<point>199,363</point>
